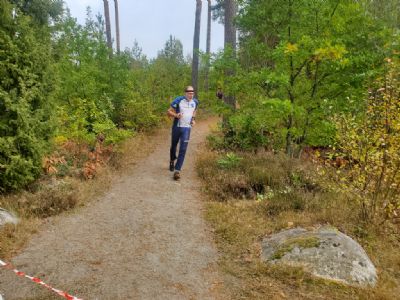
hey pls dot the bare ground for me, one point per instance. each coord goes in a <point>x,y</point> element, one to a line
<point>144,239</point>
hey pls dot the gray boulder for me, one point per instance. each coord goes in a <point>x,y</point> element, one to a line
<point>325,252</point>
<point>7,217</point>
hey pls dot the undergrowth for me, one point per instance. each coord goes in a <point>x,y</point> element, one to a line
<point>256,194</point>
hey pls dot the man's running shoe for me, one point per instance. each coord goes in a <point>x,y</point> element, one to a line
<point>177,175</point>
<point>171,165</point>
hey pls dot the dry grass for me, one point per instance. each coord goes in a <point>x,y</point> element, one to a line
<point>53,195</point>
<point>265,193</point>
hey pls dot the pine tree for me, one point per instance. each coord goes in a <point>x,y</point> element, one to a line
<point>208,45</point>
<point>196,46</point>
<point>230,9</point>
<point>117,26</point>
<point>108,24</point>
<point>26,90</point>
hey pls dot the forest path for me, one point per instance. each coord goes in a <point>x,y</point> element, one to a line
<point>144,239</point>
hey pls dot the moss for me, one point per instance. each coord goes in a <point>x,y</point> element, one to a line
<point>290,244</point>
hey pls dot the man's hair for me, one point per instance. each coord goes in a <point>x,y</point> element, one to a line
<point>189,88</point>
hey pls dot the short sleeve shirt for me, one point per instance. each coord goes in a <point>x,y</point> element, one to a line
<point>186,108</point>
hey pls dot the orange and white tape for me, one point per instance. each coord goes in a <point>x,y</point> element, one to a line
<point>38,281</point>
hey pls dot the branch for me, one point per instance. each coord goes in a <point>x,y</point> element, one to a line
<point>333,95</point>
<point>334,10</point>
<point>317,83</point>
<point>299,69</point>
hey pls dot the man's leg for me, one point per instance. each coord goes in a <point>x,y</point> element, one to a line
<point>184,141</point>
<point>174,143</point>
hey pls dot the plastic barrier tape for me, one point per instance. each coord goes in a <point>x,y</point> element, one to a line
<point>38,281</point>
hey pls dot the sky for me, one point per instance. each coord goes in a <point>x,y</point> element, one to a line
<point>151,22</point>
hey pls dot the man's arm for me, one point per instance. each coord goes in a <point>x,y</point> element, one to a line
<point>172,110</point>
<point>193,122</point>
<point>172,113</point>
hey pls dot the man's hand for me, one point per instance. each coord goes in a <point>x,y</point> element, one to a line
<point>171,112</point>
<point>193,123</point>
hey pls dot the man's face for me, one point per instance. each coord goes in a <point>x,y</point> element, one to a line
<point>189,94</point>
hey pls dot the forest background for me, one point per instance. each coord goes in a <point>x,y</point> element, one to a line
<point>315,79</point>
<point>61,86</point>
<point>301,75</point>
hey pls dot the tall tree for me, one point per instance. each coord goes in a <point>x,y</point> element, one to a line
<point>169,72</point>
<point>196,46</point>
<point>301,54</point>
<point>117,25</point>
<point>27,88</point>
<point>230,28</point>
<point>208,45</point>
<point>41,11</point>
<point>293,72</point>
<point>108,24</point>
<point>230,9</point>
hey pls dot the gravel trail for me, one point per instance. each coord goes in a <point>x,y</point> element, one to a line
<point>144,239</point>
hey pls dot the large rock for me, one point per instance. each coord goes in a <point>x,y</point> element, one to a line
<point>7,217</point>
<point>325,252</point>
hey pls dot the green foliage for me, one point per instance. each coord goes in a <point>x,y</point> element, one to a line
<point>369,144</point>
<point>99,93</point>
<point>25,99</point>
<point>94,87</point>
<point>385,11</point>
<point>138,113</point>
<point>41,11</point>
<point>259,123</point>
<point>314,54</point>
<point>173,51</point>
<point>60,83</point>
<point>231,160</point>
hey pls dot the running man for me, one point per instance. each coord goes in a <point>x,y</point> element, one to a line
<point>183,109</point>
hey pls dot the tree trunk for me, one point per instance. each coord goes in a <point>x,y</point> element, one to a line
<point>208,45</point>
<point>108,24</point>
<point>117,26</point>
<point>289,124</point>
<point>196,46</point>
<point>230,7</point>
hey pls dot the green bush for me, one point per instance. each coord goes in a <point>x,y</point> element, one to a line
<point>25,99</point>
<point>258,124</point>
<point>231,160</point>
<point>138,114</point>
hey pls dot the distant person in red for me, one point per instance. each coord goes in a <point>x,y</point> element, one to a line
<point>220,94</point>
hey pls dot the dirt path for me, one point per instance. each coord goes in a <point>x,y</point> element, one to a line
<point>144,239</point>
